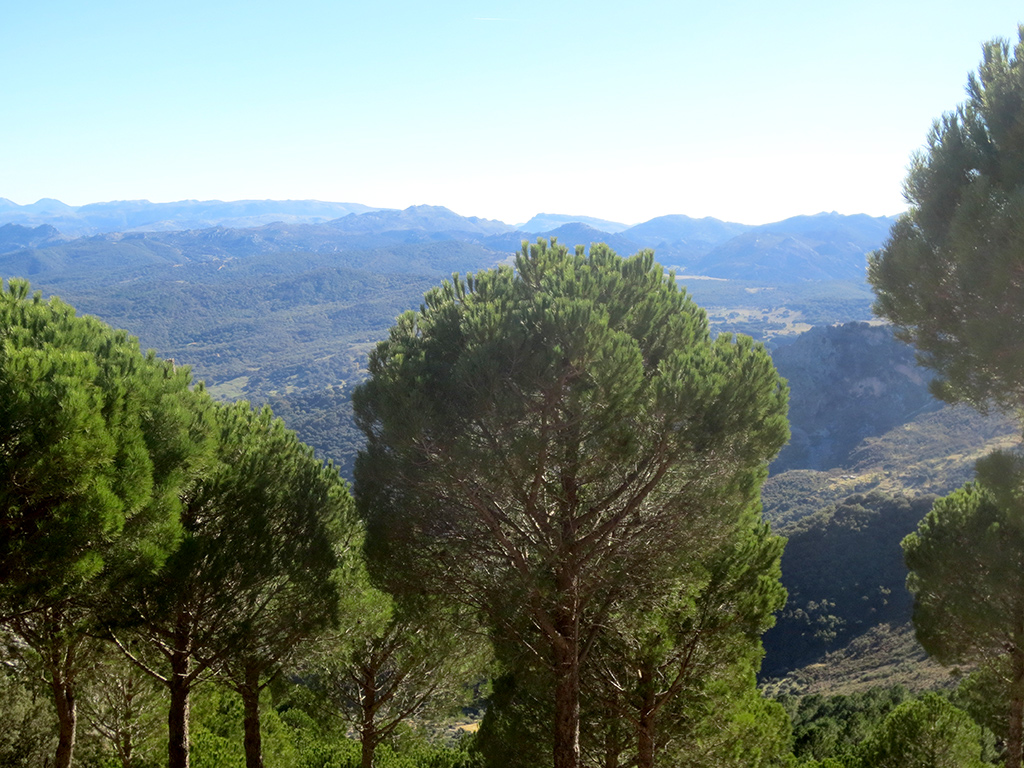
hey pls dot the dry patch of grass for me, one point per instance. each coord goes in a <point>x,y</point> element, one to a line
<point>233,389</point>
<point>934,454</point>
<point>885,655</point>
<point>777,321</point>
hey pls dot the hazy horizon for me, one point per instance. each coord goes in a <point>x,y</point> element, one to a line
<point>577,216</point>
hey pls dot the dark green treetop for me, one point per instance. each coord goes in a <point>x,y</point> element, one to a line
<point>257,570</point>
<point>96,440</point>
<point>98,444</point>
<point>951,275</point>
<point>964,566</point>
<point>928,732</point>
<point>670,663</point>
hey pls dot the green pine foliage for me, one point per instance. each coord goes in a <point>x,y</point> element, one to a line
<point>270,538</point>
<point>948,276</point>
<point>965,575</point>
<point>829,726</point>
<point>928,732</point>
<point>97,447</point>
<point>29,734</point>
<point>151,467</point>
<point>96,439</point>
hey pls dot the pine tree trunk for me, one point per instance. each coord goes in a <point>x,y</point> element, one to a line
<point>368,747</point>
<point>67,717</point>
<point>567,707</point>
<point>125,748</point>
<point>368,726</point>
<point>566,649</point>
<point>612,740</point>
<point>60,658</point>
<point>646,725</point>
<point>1015,736</point>
<point>124,734</point>
<point>177,716</point>
<point>250,692</point>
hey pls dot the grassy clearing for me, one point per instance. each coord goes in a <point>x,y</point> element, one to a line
<point>885,655</point>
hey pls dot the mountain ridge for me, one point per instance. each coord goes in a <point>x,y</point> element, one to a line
<point>142,215</point>
<point>820,247</point>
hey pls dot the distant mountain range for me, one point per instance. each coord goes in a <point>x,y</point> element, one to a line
<point>144,216</point>
<point>51,235</point>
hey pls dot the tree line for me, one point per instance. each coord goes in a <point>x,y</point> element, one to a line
<point>198,538</point>
<point>146,524</point>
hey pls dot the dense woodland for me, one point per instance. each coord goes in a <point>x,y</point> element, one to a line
<point>590,525</point>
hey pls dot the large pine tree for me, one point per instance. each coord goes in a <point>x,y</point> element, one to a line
<point>96,445</point>
<point>544,442</point>
<point>950,275</point>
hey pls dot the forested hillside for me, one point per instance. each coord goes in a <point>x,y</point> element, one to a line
<point>870,451</point>
<point>315,295</point>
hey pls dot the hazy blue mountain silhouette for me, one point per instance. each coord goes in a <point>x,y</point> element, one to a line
<point>428,218</point>
<point>826,246</point>
<point>676,227</point>
<point>142,215</point>
<point>545,222</point>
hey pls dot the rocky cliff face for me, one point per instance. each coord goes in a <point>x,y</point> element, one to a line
<point>847,383</point>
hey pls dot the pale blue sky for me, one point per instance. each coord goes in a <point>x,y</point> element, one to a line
<point>746,111</point>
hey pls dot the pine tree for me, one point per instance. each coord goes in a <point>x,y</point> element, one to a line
<point>949,276</point>
<point>96,445</point>
<point>543,443</point>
